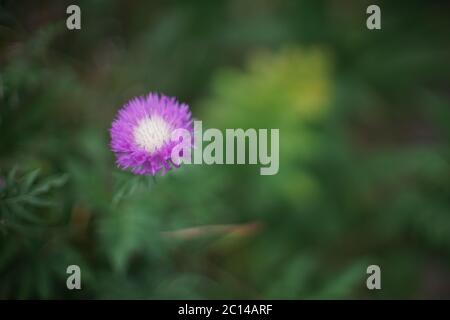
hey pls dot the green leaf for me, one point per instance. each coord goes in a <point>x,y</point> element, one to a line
<point>29,179</point>
<point>49,183</point>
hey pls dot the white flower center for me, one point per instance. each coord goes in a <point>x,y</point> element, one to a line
<point>152,133</point>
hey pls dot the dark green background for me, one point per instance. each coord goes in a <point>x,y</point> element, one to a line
<point>364,123</point>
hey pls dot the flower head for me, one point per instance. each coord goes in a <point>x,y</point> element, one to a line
<point>141,134</point>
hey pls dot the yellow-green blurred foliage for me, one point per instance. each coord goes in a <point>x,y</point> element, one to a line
<point>290,90</point>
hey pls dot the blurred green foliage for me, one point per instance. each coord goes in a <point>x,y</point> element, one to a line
<point>364,150</point>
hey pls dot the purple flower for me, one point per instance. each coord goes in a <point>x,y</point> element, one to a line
<point>141,133</point>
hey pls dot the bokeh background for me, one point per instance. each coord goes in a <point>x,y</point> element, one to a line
<point>364,121</point>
